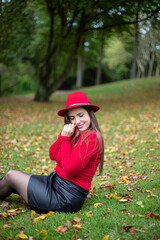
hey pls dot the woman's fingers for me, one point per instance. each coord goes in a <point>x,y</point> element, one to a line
<point>68,130</point>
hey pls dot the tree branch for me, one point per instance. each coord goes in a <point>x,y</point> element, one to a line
<point>124,22</point>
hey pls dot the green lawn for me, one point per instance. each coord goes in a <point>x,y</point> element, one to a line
<point>124,202</point>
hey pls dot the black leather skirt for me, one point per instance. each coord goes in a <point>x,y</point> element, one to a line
<point>53,193</point>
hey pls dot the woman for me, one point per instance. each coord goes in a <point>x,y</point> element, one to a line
<point>77,152</point>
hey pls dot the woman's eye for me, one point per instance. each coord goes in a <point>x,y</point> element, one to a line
<point>81,115</point>
<point>71,119</point>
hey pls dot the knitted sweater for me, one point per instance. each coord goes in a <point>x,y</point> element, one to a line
<point>78,163</point>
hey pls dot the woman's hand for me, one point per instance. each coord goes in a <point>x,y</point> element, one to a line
<point>68,130</point>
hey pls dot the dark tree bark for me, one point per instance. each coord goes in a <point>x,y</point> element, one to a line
<point>79,71</point>
<point>0,85</point>
<point>135,47</point>
<point>99,69</point>
<point>79,80</point>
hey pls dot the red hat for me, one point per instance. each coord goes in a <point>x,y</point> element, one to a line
<point>77,99</point>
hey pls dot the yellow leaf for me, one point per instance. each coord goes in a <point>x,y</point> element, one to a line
<point>97,204</point>
<point>22,236</point>
<point>124,179</point>
<point>149,191</point>
<point>105,237</point>
<point>123,200</point>
<point>77,226</point>
<point>12,210</point>
<point>48,214</point>
<point>89,214</point>
<point>4,214</point>
<point>39,218</point>
<point>113,196</point>
<point>139,203</point>
<point>33,213</point>
<point>28,169</point>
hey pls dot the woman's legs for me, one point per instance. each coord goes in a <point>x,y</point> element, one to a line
<point>14,182</point>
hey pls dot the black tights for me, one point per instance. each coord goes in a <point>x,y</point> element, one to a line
<point>14,182</point>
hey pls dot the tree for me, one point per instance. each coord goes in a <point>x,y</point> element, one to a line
<point>150,11</point>
<point>148,55</point>
<point>54,31</point>
<point>135,46</point>
<point>79,79</point>
<point>99,68</point>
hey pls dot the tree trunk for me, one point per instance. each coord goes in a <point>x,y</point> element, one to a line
<point>158,70</point>
<point>79,71</point>
<point>42,91</point>
<point>135,47</point>
<point>151,62</point>
<point>0,85</point>
<point>79,80</point>
<point>99,69</point>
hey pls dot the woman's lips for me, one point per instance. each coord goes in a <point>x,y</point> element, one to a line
<point>80,126</point>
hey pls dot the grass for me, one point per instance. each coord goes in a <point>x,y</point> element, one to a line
<point>128,191</point>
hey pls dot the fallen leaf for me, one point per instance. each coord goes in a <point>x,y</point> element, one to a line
<point>22,236</point>
<point>123,200</point>
<point>89,214</point>
<point>33,213</point>
<point>113,196</point>
<point>108,211</point>
<point>4,214</point>
<point>39,218</point>
<point>62,229</point>
<point>77,219</point>
<point>5,226</point>
<point>97,204</point>
<point>12,210</point>
<point>150,214</point>
<point>139,203</point>
<point>131,229</point>
<point>28,169</point>
<point>77,226</point>
<point>105,237</point>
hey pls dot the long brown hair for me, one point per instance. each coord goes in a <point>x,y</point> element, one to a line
<point>93,127</point>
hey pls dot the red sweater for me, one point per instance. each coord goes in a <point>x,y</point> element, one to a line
<point>77,164</point>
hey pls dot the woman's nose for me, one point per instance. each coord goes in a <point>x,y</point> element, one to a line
<point>77,120</point>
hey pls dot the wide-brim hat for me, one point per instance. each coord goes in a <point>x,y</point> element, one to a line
<point>77,99</point>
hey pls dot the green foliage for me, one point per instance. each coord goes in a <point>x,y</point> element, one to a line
<point>117,58</point>
<point>18,79</point>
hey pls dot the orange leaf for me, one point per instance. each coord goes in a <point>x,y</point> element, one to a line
<point>77,219</point>
<point>62,229</point>
<point>77,226</point>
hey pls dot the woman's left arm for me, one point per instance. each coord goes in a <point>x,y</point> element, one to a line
<point>54,148</point>
<point>75,160</point>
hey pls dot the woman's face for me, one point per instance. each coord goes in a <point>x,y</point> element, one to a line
<point>80,117</point>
